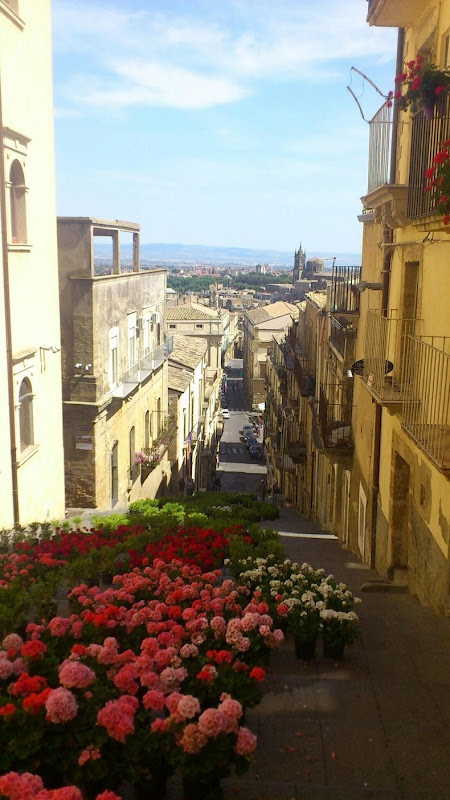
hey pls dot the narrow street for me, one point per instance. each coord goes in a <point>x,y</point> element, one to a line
<point>238,471</point>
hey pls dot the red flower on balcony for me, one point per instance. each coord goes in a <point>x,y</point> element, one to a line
<point>420,85</point>
<point>438,182</point>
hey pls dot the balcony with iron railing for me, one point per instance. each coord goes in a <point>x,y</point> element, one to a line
<point>295,440</point>
<point>384,363</point>
<point>394,203</point>
<point>342,337</point>
<point>380,137</point>
<point>303,375</point>
<point>142,370</point>
<point>335,417</point>
<point>386,199</point>
<point>427,136</point>
<point>426,406</point>
<point>343,294</point>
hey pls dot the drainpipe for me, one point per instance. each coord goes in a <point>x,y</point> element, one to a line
<point>388,238</point>
<point>8,332</point>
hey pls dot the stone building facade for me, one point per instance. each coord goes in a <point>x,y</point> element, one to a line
<point>114,367</point>
<point>259,327</point>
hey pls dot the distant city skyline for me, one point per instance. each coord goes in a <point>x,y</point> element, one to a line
<point>183,254</point>
<point>218,123</point>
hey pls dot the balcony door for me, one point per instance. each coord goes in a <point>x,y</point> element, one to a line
<point>362,520</point>
<point>401,513</point>
<point>345,505</point>
<point>114,469</point>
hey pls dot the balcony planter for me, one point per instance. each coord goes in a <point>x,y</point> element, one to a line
<point>438,182</point>
<point>428,103</point>
<point>419,86</point>
<point>147,468</point>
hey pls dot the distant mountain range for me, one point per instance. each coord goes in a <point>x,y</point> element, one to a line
<point>190,254</point>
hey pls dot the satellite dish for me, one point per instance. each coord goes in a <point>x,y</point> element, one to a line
<point>358,367</point>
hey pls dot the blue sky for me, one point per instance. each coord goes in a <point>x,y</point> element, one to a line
<point>218,122</point>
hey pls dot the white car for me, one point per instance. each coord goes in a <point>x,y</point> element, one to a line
<point>225,413</point>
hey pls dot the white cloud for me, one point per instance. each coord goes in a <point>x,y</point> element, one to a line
<point>195,61</point>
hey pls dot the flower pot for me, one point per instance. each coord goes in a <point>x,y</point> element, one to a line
<point>305,649</point>
<point>333,647</point>
<point>428,103</point>
<point>153,789</point>
<point>202,790</point>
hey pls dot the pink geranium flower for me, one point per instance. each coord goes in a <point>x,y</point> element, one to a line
<point>61,706</point>
<point>73,674</point>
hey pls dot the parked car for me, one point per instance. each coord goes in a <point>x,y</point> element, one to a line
<point>225,413</point>
<point>251,442</point>
<point>255,450</point>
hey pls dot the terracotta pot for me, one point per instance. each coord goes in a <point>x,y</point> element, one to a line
<point>305,649</point>
<point>333,648</point>
<point>199,790</point>
<point>153,789</point>
<point>428,103</point>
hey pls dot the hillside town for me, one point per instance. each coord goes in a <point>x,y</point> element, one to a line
<point>313,397</point>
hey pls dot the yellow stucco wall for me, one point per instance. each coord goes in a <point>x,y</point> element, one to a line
<point>413,508</point>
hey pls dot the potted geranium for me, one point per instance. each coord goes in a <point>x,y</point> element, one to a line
<point>420,85</point>
<point>338,629</point>
<point>303,622</point>
<point>147,462</point>
<point>338,618</point>
<point>438,182</point>
<point>207,743</point>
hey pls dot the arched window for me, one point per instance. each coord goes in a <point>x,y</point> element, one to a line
<point>25,415</point>
<point>18,209</point>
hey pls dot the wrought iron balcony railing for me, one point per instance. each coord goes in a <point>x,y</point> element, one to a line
<point>335,416</point>
<point>380,137</point>
<point>142,370</point>
<point>161,443</point>
<point>384,354</point>
<point>342,337</point>
<point>343,289</point>
<point>426,140</point>
<point>426,407</point>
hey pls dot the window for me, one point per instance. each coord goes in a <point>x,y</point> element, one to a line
<point>26,415</point>
<point>147,429</point>
<point>446,50</point>
<point>115,474</point>
<point>172,326</point>
<point>17,201</point>
<point>158,417</point>
<point>114,357</point>
<point>198,325</point>
<point>131,340</point>
<point>132,451</point>
<point>147,333</point>
<point>200,397</point>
